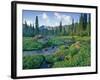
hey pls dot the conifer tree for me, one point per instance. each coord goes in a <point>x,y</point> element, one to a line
<point>60,27</point>
<point>37,25</point>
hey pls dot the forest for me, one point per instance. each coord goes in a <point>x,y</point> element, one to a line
<point>57,46</point>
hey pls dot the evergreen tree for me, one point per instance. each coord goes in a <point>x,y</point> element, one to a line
<point>68,29</point>
<point>56,31</point>
<point>52,31</point>
<point>37,25</point>
<point>81,24</point>
<point>33,29</point>
<point>76,28</point>
<point>60,27</point>
<point>26,24</point>
<point>64,31</point>
<point>30,25</point>
<point>84,21</point>
<point>25,29</point>
<point>73,26</point>
<point>89,25</point>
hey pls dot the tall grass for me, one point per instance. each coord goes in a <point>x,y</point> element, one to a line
<point>76,55</point>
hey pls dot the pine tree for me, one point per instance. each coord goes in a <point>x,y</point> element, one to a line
<point>73,26</point>
<point>81,24</point>
<point>60,27</point>
<point>30,25</point>
<point>84,21</point>
<point>89,25</point>
<point>33,29</point>
<point>25,29</point>
<point>56,31</point>
<point>37,25</point>
<point>64,31</point>
<point>26,24</point>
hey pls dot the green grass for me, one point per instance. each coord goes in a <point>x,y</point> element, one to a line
<point>32,62</point>
<point>76,55</point>
<point>31,44</point>
<point>84,38</point>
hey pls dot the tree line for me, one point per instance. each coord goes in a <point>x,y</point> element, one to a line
<point>80,28</point>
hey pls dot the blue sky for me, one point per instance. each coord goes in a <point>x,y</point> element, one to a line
<point>49,18</point>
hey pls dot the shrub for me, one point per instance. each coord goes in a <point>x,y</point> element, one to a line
<point>48,44</point>
<point>29,44</point>
<point>76,56</point>
<point>82,58</point>
<point>85,54</point>
<point>84,33</point>
<point>82,39</point>
<point>32,62</point>
<point>74,48</point>
<point>51,58</point>
<point>64,63</point>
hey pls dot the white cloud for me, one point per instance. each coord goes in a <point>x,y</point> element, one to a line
<point>67,19</point>
<point>29,22</point>
<point>44,16</point>
<point>64,18</point>
<point>58,16</point>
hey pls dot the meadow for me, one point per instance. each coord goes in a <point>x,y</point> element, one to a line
<point>46,45</point>
<point>72,52</point>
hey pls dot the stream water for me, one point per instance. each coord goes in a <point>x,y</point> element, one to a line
<point>49,50</point>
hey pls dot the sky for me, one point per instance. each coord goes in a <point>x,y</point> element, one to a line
<point>49,18</point>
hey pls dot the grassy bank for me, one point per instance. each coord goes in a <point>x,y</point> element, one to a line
<point>76,54</point>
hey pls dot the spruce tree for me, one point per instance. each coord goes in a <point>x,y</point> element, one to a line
<point>26,24</point>
<point>73,26</point>
<point>81,24</point>
<point>37,25</point>
<point>33,29</point>
<point>84,21</point>
<point>60,27</point>
<point>89,25</point>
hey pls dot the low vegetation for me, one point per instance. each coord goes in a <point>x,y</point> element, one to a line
<point>74,55</point>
